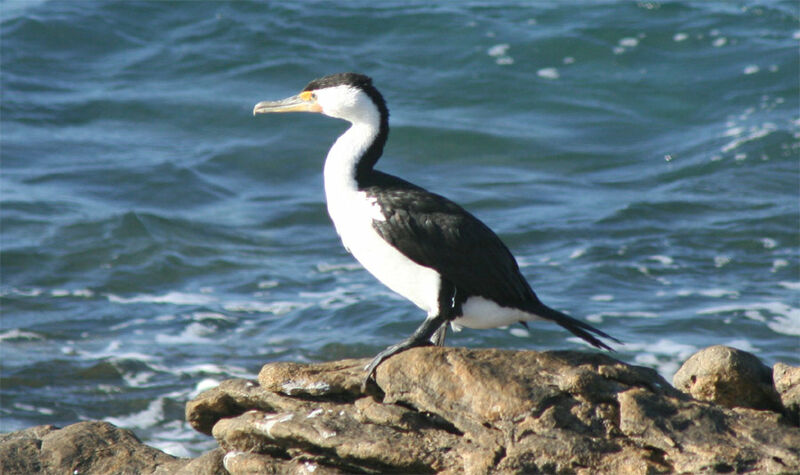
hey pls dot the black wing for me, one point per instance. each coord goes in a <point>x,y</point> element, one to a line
<point>437,233</point>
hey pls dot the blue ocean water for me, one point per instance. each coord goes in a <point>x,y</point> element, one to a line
<point>639,158</point>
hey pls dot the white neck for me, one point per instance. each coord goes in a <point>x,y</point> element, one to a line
<point>343,157</point>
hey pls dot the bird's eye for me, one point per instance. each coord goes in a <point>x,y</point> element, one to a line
<point>314,95</point>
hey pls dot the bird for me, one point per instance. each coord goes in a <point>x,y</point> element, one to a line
<point>420,244</point>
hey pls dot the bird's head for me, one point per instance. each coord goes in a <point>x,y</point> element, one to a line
<point>348,96</point>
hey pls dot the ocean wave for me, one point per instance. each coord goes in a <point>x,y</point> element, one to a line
<point>173,298</point>
<point>780,317</point>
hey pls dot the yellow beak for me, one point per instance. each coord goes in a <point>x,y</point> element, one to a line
<point>303,102</point>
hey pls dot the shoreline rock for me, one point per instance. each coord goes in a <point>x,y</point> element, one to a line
<point>458,410</point>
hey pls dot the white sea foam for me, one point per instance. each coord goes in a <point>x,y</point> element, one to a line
<point>755,315</point>
<point>577,253</point>
<point>716,293</point>
<point>720,261</point>
<point>29,408</point>
<point>665,260</point>
<point>208,368</point>
<point>15,334</point>
<point>769,243</point>
<point>141,420</point>
<point>790,285</point>
<point>778,264</point>
<point>498,50</point>
<point>324,267</point>
<point>602,298</point>
<point>176,449</point>
<point>665,355</point>
<point>128,323</point>
<point>719,42</point>
<point>111,353</point>
<point>755,133</point>
<point>519,332</point>
<point>751,69</point>
<point>628,42</point>
<point>786,325</point>
<point>268,284</point>
<point>678,37</point>
<point>195,333</point>
<point>210,316</point>
<point>31,292</point>
<point>780,317</point>
<point>175,437</point>
<point>275,308</point>
<point>136,380</point>
<point>598,317</point>
<point>337,298</point>
<point>174,298</point>
<point>203,385</point>
<point>548,73</point>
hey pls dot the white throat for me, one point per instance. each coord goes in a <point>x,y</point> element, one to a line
<point>343,157</point>
<point>357,108</point>
<point>354,106</point>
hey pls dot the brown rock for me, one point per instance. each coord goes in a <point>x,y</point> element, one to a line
<point>729,377</point>
<point>443,410</point>
<point>210,463</point>
<point>85,447</point>
<point>324,379</point>
<point>19,451</point>
<point>787,383</point>
<point>94,447</point>
<point>453,410</point>
<point>231,398</point>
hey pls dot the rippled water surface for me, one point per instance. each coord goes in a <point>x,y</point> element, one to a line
<point>640,160</point>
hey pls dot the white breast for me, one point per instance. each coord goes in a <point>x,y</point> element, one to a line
<point>353,212</point>
<point>353,220</point>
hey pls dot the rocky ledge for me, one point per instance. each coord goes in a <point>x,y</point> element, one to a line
<point>457,410</point>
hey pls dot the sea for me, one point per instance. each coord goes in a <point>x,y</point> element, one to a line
<point>640,159</point>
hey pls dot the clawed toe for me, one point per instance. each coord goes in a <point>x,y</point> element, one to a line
<point>388,353</point>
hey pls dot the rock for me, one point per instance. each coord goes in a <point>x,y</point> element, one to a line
<point>444,410</point>
<point>455,410</point>
<point>787,383</point>
<point>19,451</point>
<point>85,447</point>
<point>91,447</point>
<point>728,377</point>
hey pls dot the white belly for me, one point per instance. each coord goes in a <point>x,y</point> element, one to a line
<point>481,313</point>
<point>352,215</point>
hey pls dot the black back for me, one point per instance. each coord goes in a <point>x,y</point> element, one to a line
<point>437,233</point>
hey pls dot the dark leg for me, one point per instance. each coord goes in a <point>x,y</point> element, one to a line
<point>420,337</point>
<point>432,330</point>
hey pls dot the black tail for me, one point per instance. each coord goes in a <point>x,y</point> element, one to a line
<point>577,327</point>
